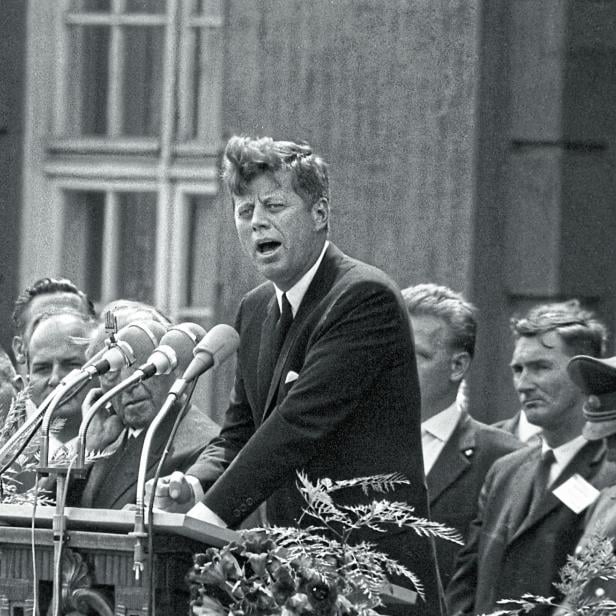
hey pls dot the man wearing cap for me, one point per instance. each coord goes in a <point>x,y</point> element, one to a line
<point>597,378</point>
<point>529,517</point>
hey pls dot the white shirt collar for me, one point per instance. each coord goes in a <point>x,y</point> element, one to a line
<point>526,430</point>
<point>563,454</point>
<point>442,425</point>
<point>296,293</point>
<point>134,432</point>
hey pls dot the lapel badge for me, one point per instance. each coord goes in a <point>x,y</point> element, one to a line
<point>469,452</point>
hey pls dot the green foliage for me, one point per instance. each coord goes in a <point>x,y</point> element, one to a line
<point>314,570</point>
<point>594,561</point>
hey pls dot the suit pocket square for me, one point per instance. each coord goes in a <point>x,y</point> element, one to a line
<point>291,376</point>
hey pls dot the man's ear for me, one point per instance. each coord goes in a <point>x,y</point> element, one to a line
<point>320,213</point>
<point>460,363</point>
<point>19,350</point>
<point>18,382</point>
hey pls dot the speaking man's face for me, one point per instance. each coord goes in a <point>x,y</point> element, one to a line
<point>280,233</point>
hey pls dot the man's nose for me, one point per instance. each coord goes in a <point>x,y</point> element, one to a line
<point>56,375</point>
<point>523,382</point>
<point>260,217</point>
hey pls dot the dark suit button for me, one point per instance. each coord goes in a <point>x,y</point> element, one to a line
<point>250,502</point>
<point>236,513</point>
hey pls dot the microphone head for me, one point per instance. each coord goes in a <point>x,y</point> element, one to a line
<point>217,345</point>
<point>182,338</point>
<point>142,337</point>
<point>220,342</point>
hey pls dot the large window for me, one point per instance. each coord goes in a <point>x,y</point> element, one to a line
<point>123,134</point>
<point>132,148</point>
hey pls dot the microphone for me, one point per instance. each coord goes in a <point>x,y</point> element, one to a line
<point>174,351</point>
<point>216,347</point>
<point>132,340</point>
<point>144,337</point>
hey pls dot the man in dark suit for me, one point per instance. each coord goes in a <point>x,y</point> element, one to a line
<point>340,398</point>
<point>117,438</point>
<point>458,450</point>
<point>523,530</point>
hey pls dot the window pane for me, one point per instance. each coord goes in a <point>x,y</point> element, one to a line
<point>137,259</point>
<point>88,71</point>
<point>83,245</point>
<point>207,83</point>
<point>143,80</point>
<point>90,6</point>
<point>146,6</point>
<point>208,7</point>
<point>202,275</point>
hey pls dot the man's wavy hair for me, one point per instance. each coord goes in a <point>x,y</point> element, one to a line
<point>581,331</point>
<point>444,303</point>
<point>47,286</point>
<point>246,157</point>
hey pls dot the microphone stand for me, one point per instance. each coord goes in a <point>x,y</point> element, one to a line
<point>72,380</point>
<point>139,531</point>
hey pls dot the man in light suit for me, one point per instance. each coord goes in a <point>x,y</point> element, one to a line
<point>524,531</point>
<point>458,450</point>
<point>340,399</point>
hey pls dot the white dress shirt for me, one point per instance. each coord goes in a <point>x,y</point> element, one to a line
<point>436,431</point>
<point>563,454</point>
<point>525,429</point>
<point>296,293</point>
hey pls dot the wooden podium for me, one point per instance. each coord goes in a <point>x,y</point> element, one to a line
<point>97,561</point>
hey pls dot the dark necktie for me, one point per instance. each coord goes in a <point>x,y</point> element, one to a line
<point>282,327</point>
<point>541,480</point>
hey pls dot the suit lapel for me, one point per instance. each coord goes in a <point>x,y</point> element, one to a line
<point>264,366</point>
<point>584,463</point>
<point>318,288</point>
<point>454,459</point>
<point>522,486</point>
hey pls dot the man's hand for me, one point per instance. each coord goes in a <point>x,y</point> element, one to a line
<point>104,428</point>
<point>173,493</point>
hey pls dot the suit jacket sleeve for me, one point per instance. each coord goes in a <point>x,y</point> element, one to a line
<point>460,593</point>
<point>361,334</point>
<point>237,429</point>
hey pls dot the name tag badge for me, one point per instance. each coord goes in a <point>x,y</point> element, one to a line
<point>576,493</point>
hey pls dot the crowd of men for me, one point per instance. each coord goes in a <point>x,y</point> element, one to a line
<point>342,375</point>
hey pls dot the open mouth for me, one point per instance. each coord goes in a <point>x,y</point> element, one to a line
<point>267,247</point>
